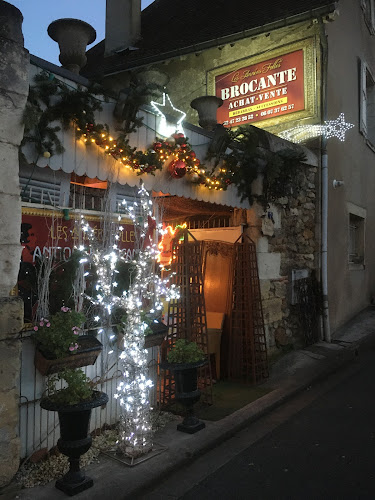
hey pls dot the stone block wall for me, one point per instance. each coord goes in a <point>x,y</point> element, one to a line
<point>11,322</point>
<point>14,87</point>
<point>287,239</point>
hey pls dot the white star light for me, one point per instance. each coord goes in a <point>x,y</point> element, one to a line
<point>331,128</point>
<point>167,108</point>
<point>337,128</point>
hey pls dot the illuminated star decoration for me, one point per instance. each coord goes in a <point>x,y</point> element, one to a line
<point>331,128</point>
<point>167,108</point>
<point>337,128</point>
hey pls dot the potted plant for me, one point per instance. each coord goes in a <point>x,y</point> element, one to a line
<point>73,403</point>
<point>59,343</point>
<point>184,359</point>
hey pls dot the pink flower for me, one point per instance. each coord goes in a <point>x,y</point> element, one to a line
<point>73,347</point>
<point>41,323</point>
<point>65,309</point>
<point>36,328</point>
<point>48,325</point>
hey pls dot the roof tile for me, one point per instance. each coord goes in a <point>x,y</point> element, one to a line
<point>169,26</point>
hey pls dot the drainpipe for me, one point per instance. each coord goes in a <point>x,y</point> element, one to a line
<point>324,177</point>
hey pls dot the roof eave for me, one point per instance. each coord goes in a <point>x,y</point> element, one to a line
<point>287,21</point>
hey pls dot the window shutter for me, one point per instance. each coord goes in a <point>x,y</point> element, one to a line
<point>363,99</point>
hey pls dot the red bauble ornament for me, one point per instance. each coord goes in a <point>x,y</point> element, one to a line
<point>179,138</point>
<point>192,154</point>
<point>157,145</point>
<point>177,169</point>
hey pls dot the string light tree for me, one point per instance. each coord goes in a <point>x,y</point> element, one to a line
<point>104,254</point>
<point>143,304</point>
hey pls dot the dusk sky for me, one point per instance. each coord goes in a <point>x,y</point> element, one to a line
<point>38,14</point>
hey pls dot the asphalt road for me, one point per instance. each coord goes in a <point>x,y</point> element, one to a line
<point>321,445</point>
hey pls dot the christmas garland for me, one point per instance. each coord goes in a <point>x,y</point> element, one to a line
<point>51,100</point>
<point>176,149</point>
<point>247,159</point>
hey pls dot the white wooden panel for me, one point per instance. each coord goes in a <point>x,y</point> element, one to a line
<point>91,161</point>
<point>39,428</point>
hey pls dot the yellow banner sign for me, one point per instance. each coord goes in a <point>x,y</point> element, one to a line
<point>258,107</point>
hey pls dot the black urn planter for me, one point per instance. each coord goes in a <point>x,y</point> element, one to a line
<point>187,392</point>
<point>74,439</point>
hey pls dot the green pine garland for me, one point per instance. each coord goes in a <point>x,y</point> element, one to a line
<point>247,160</point>
<point>51,101</point>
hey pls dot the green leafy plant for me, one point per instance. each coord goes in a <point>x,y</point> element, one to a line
<point>79,388</point>
<point>250,156</point>
<point>133,97</point>
<point>58,336</point>
<point>50,101</point>
<point>281,174</point>
<point>185,352</point>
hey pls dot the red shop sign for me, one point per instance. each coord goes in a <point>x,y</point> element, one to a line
<point>261,91</point>
<point>50,234</point>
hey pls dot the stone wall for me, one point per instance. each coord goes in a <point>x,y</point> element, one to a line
<point>14,63</point>
<point>11,321</point>
<point>287,239</point>
<point>297,243</point>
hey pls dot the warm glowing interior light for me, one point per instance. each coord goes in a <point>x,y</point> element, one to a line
<point>165,254</point>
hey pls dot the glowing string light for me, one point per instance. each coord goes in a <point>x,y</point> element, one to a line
<point>143,303</point>
<point>331,128</point>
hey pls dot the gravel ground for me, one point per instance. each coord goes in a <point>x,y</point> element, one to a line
<point>56,465</point>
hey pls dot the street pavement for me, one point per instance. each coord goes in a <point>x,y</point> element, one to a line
<point>298,372</point>
<point>324,451</point>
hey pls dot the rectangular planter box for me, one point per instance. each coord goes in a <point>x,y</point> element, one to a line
<point>154,339</point>
<point>90,348</point>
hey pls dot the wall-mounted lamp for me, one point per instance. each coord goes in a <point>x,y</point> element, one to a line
<point>337,184</point>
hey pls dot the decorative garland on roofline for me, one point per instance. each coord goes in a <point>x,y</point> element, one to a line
<point>51,100</point>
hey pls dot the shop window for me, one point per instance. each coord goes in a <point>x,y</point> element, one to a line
<point>368,7</point>
<point>87,193</point>
<point>356,241</point>
<point>367,104</point>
